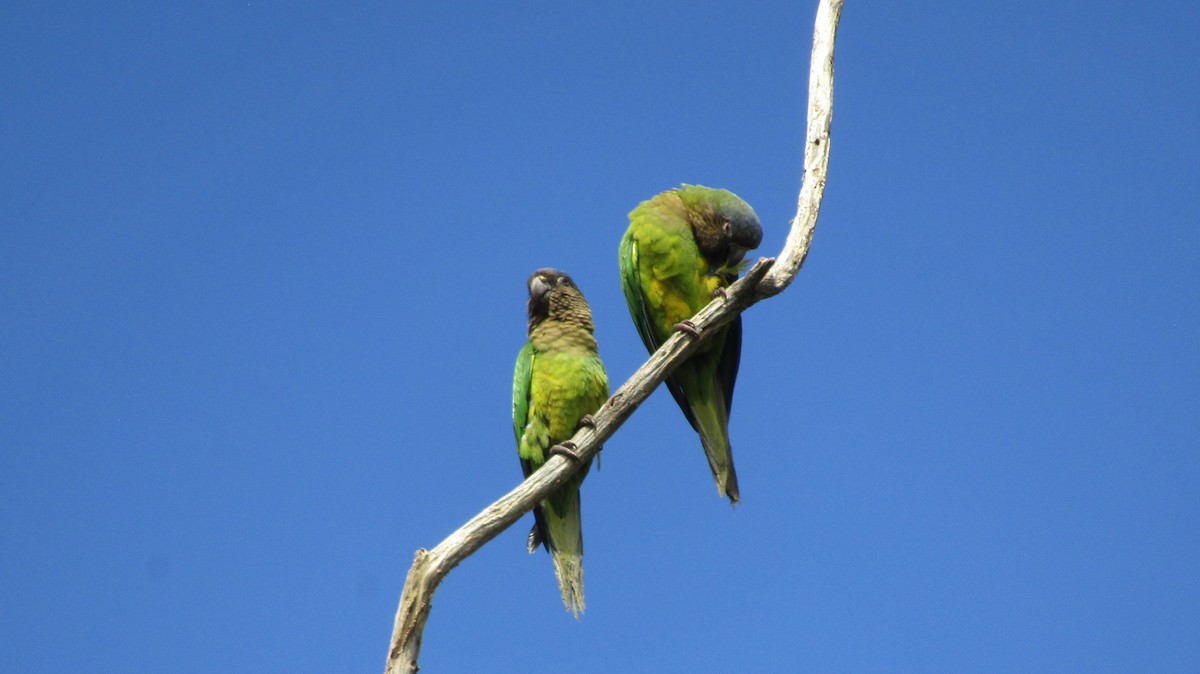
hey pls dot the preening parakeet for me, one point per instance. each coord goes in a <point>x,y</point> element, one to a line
<point>558,383</point>
<point>682,247</point>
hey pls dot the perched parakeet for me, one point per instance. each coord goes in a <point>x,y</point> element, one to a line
<point>682,248</point>
<point>558,383</point>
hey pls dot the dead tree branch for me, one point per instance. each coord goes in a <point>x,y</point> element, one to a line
<point>765,279</point>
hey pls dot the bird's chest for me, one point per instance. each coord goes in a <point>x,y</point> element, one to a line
<point>563,389</point>
<point>677,292</point>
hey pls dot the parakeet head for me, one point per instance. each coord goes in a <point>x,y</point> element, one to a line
<point>724,226</point>
<point>554,296</point>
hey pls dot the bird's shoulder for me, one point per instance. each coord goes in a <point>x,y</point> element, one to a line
<point>663,215</point>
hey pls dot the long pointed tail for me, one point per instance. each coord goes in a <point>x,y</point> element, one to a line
<point>565,529</point>
<point>704,403</point>
<point>714,436</point>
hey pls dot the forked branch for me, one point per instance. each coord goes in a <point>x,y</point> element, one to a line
<point>765,279</point>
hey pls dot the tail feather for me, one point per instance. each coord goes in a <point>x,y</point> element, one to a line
<point>565,537</point>
<point>568,567</point>
<point>535,540</point>
<point>720,461</point>
<point>537,535</point>
<point>709,410</point>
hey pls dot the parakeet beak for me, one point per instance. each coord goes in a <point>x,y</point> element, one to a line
<point>538,287</point>
<point>736,253</point>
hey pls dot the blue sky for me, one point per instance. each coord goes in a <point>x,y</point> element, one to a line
<point>263,277</point>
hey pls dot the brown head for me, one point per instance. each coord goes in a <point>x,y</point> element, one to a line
<point>724,226</point>
<point>554,296</point>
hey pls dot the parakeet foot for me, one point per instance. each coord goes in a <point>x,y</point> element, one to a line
<point>568,449</point>
<point>688,327</point>
<point>586,421</point>
<point>720,292</point>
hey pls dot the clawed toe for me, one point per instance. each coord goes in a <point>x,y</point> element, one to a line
<point>567,449</point>
<point>586,421</point>
<point>688,327</point>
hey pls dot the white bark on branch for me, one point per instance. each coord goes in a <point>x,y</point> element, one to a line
<point>816,152</point>
<point>765,279</point>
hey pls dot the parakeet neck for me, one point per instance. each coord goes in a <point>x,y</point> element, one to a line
<point>710,237</point>
<point>563,335</point>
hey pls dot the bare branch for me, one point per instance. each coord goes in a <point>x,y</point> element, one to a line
<point>765,279</point>
<point>816,151</point>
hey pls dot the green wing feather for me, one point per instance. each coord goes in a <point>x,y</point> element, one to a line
<point>731,357</point>
<point>522,382</point>
<point>522,379</point>
<point>631,283</point>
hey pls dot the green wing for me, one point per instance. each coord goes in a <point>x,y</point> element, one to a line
<point>731,356</point>
<point>522,378</point>
<point>631,283</point>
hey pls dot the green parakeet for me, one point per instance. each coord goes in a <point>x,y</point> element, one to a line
<point>558,383</point>
<point>682,248</point>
